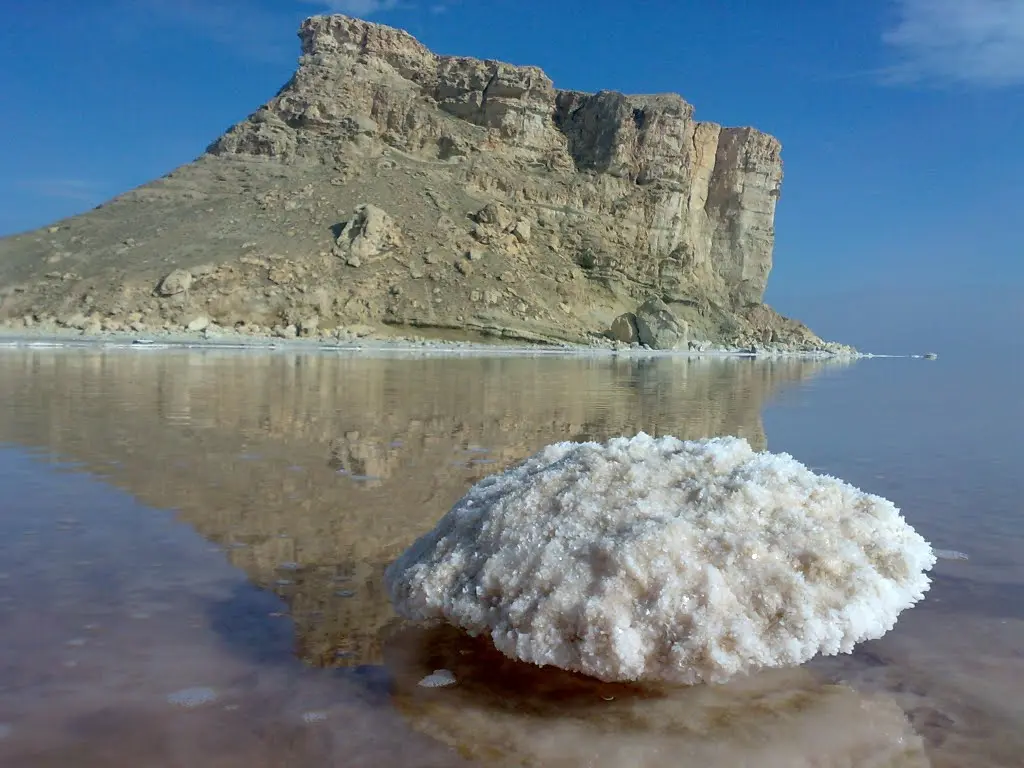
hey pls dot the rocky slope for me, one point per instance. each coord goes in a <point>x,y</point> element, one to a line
<point>386,188</point>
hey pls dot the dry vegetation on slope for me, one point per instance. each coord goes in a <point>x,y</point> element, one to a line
<point>386,188</point>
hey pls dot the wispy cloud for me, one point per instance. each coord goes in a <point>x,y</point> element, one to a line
<point>79,190</point>
<point>961,42</point>
<point>241,26</point>
<point>260,31</point>
<point>246,27</point>
<point>361,8</point>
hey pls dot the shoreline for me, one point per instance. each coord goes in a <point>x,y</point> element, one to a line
<point>23,338</point>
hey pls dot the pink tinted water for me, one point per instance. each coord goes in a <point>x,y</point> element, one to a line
<point>192,543</point>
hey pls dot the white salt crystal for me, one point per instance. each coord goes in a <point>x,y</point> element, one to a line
<point>657,559</point>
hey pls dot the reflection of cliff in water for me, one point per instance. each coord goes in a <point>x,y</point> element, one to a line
<point>315,471</point>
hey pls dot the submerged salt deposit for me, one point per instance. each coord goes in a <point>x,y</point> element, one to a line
<point>503,713</point>
<point>439,678</point>
<point>190,698</point>
<point>657,559</point>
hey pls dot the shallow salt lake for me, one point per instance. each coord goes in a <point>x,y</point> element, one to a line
<point>192,546</point>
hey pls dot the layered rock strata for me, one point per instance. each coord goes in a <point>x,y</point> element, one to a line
<point>388,186</point>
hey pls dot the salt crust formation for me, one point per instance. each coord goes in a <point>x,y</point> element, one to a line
<point>654,559</point>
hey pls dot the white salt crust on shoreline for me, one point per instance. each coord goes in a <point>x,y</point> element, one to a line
<point>654,559</point>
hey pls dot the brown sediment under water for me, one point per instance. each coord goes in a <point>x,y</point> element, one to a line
<point>192,546</point>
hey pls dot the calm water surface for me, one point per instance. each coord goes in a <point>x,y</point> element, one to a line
<point>192,546</point>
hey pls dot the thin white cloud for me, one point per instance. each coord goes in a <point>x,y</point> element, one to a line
<point>248,28</point>
<point>362,8</point>
<point>960,42</point>
<point>241,26</point>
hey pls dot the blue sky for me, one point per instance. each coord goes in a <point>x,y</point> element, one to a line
<point>901,120</point>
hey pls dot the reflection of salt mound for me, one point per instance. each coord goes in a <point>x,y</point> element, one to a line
<point>665,560</point>
<point>502,712</point>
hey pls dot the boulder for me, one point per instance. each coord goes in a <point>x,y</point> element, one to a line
<point>523,231</point>
<point>624,329</point>
<point>657,327</point>
<point>177,281</point>
<point>199,323</point>
<point>369,234</point>
<point>77,320</point>
<point>495,215</point>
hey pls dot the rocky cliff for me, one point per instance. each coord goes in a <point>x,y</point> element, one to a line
<point>390,187</point>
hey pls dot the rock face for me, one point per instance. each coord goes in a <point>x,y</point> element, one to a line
<point>586,203</point>
<point>699,199</point>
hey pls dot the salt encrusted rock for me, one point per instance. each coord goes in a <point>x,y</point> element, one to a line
<point>657,559</point>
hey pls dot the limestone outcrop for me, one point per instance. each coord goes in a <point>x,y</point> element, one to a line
<point>689,205</point>
<point>490,202</point>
